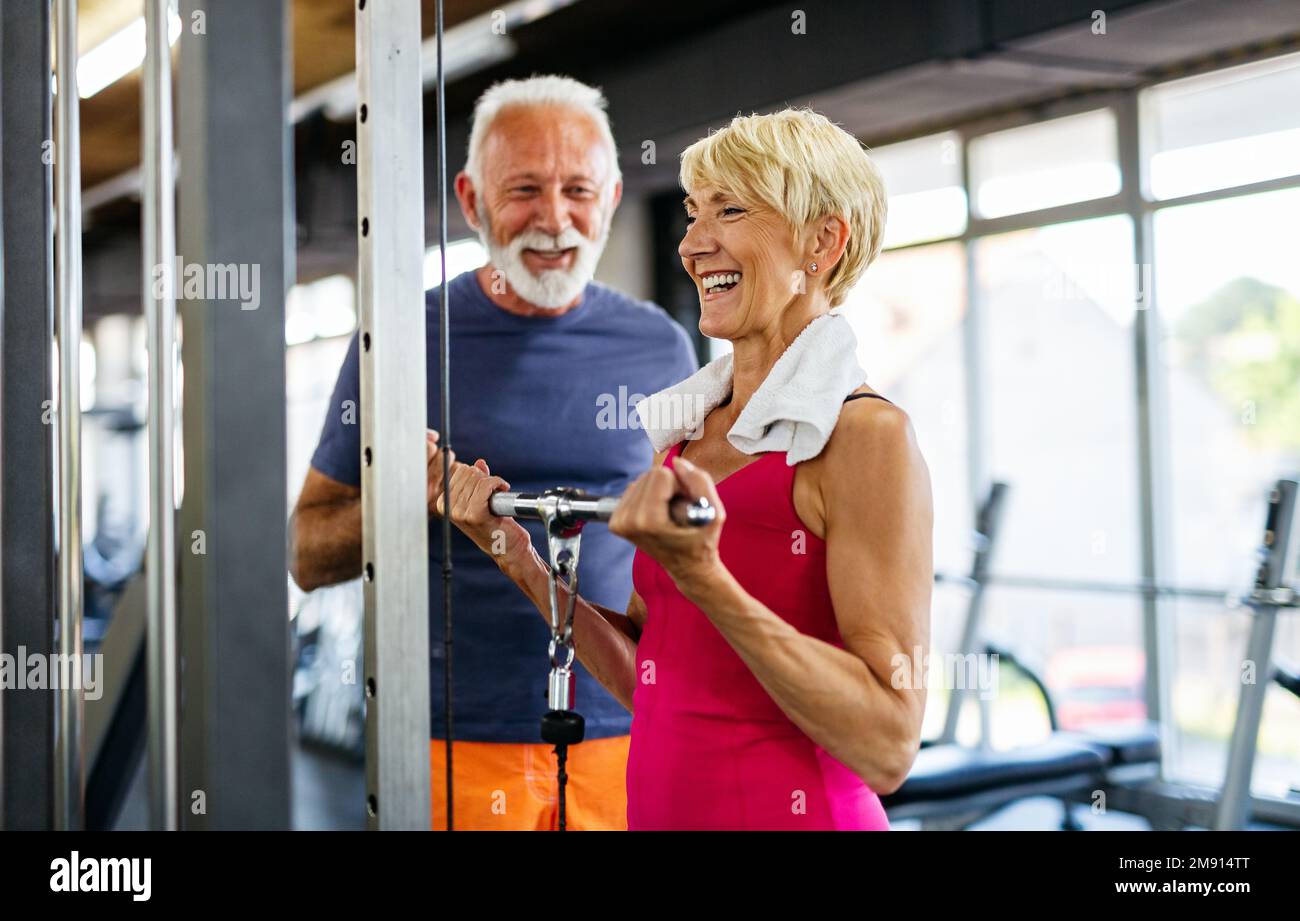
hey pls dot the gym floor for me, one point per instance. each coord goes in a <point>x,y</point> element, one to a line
<point>329,793</point>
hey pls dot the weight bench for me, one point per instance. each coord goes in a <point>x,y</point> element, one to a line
<point>952,785</point>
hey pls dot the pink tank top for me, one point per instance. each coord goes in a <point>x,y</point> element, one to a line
<point>710,748</point>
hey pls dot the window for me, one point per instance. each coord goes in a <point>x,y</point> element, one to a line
<point>310,372</point>
<point>319,318</point>
<point>1224,129</point>
<point>907,315</point>
<point>1045,164</point>
<point>462,256</point>
<point>923,179</point>
<point>1085,646</point>
<point>1228,295</point>
<point>1057,345</point>
<point>948,608</point>
<point>320,310</point>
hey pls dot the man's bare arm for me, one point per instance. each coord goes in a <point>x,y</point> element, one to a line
<point>325,533</point>
<point>325,528</point>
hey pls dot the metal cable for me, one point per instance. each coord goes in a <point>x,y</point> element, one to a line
<point>445,423</point>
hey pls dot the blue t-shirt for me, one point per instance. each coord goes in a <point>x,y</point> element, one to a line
<point>546,401</point>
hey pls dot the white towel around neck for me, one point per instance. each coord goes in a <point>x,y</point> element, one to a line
<point>794,410</point>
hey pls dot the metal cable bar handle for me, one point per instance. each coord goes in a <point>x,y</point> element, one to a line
<point>564,511</point>
<point>571,506</point>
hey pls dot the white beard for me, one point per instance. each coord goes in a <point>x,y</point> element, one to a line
<point>552,289</point>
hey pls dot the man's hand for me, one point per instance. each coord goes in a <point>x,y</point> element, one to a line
<point>503,539</point>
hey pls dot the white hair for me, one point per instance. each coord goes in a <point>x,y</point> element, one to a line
<point>549,90</point>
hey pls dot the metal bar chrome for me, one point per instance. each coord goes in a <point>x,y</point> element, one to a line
<point>1048,584</point>
<point>395,528</point>
<point>682,510</point>
<point>158,216</point>
<point>69,793</point>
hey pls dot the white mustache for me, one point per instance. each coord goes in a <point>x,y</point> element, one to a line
<point>542,242</point>
<point>550,288</point>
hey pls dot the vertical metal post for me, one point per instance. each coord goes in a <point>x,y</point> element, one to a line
<point>27,583</point>
<point>159,232</point>
<point>1152,427</point>
<point>978,475</point>
<point>390,203</point>
<point>235,220</point>
<point>70,789</point>
<point>2,498</point>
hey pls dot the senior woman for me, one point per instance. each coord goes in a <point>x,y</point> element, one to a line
<point>766,658</point>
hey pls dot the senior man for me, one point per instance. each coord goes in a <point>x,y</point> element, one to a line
<point>541,358</point>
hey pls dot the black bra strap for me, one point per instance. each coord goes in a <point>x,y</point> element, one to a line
<point>866,396</point>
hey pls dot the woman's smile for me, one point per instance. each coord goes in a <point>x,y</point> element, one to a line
<point>717,285</point>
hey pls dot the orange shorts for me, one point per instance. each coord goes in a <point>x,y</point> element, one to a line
<point>507,786</point>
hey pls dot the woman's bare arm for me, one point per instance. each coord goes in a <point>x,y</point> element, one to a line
<point>879,568</point>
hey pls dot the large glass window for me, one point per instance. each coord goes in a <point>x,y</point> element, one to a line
<point>462,256</point>
<point>1228,295</point>
<point>1085,646</point>
<point>1057,400</point>
<point>926,197</point>
<point>1224,129</point>
<point>907,314</point>
<point>949,606</point>
<point>310,372</point>
<point>320,310</point>
<point>1057,308</point>
<point>1045,164</point>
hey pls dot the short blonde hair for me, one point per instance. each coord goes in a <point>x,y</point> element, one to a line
<point>806,168</point>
